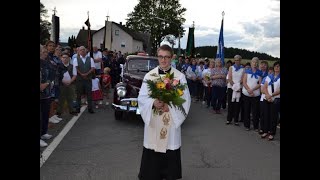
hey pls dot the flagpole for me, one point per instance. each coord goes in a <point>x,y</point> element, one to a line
<point>220,46</point>
<point>90,38</point>
<point>223,40</point>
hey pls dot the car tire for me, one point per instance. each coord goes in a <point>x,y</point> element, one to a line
<point>118,115</point>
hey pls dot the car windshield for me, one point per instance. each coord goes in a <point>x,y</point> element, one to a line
<point>143,65</point>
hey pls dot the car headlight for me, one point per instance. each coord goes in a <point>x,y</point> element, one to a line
<point>121,91</point>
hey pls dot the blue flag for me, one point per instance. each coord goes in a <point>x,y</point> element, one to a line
<point>220,47</point>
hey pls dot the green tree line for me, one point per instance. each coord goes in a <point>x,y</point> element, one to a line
<point>210,52</point>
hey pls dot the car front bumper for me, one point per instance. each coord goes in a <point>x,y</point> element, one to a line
<point>126,105</point>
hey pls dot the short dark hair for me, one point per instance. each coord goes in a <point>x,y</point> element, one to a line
<point>65,53</point>
<point>276,63</point>
<point>265,62</point>
<point>247,64</point>
<point>229,62</point>
<point>165,47</point>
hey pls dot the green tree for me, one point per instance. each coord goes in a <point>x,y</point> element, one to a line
<point>143,19</point>
<point>44,25</point>
<point>69,41</point>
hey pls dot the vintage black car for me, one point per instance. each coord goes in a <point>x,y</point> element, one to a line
<point>125,98</point>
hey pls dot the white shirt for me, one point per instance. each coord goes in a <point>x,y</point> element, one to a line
<point>145,104</point>
<point>66,75</point>
<point>190,74</point>
<point>200,71</point>
<point>236,76</point>
<point>252,82</point>
<point>276,86</point>
<point>97,55</point>
<point>95,84</point>
<point>75,61</point>
<point>74,56</point>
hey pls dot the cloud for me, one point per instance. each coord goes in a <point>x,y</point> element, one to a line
<point>252,28</point>
<point>65,33</point>
<point>271,27</point>
<point>270,46</point>
<point>256,27</point>
<point>259,40</point>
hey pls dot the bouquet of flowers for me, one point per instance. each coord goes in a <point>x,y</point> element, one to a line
<point>168,90</point>
<point>207,77</point>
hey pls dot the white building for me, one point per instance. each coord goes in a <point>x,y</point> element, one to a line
<point>121,38</point>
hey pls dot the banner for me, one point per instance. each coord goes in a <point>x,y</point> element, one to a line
<point>220,47</point>
<point>190,49</point>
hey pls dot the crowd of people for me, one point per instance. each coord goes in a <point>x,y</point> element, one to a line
<point>250,92</point>
<point>70,78</point>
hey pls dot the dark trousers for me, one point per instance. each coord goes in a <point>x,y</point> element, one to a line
<point>208,92</point>
<point>189,86</point>
<point>194,88</point>
<point>270,118</point>
<point>277,106</point>
<point>115,78</point>
<point>98,71</point>
<point>66,95</point>
<point>224,99</point>
<point>251,103</point>
<point>242,108</point>
<point>233,107</point>
<point>261,113</point>
<point>259,110</point>
<point>217,95</point>
<point>159,166</point>
<point>44,108</point>
<point>200,88</point>
<point>84,87</point>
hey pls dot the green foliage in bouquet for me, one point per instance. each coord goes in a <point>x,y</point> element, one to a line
<point>168,90</point>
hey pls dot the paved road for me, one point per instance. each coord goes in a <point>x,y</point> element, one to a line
<point>99,147</point>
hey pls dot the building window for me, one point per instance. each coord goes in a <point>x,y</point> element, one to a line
<point>116,32</point>
<point>123,44</point>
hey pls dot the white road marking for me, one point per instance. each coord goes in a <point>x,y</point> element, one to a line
<point>47,152</point>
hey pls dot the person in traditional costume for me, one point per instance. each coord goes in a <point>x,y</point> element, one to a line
<point>161,156</point>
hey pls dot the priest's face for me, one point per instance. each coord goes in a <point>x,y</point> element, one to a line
<point>164,58</point>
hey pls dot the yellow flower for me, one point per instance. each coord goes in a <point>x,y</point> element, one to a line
<point>180,92</point>
<point>207,77</point>
<point>160,85</point>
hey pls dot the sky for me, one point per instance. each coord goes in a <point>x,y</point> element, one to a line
<point>248,24</point>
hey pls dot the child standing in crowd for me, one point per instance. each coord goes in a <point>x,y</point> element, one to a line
<point>96,91</point>
<point>106,83</point>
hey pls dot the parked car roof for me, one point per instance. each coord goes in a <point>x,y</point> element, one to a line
<point>139,56</point>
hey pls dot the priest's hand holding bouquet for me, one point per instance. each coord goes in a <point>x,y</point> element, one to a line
<point>167,91</point>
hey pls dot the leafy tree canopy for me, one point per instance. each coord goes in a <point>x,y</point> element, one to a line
<point>145,18</point>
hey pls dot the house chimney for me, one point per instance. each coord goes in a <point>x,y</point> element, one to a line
<point>121,23</point>
<point>82,27</point>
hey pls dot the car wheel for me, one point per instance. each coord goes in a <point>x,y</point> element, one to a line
<point>118,115</point>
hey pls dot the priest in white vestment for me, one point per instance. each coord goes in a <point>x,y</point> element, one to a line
<point>161,157</point>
